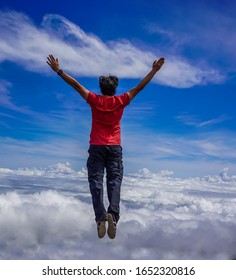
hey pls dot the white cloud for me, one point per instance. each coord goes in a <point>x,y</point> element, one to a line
<point>196,122</point>
<point>217,120</point>
<point>182,74</point>
<point>47,214</point>
<point>85,54</point>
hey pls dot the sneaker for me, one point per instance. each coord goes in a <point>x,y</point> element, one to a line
<point>101,226</point>
<point>111,231</point>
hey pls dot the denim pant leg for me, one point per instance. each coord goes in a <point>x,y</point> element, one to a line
<point>95,166</point>
<point>114,170</point>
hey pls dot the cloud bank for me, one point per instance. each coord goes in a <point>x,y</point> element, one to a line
<point>47,214</point>
<point>85,54</point>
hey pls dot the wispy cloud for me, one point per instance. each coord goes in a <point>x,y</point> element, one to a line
<point>5,99</point>
<point>197,154</point>
<point>7,102</point>
<point>196,122</point>
<point>87,55</point>
<point>206,34</point>
<point>21,152</point>
<point>55,143</point>
<point>220,119</point>
<point>45,125</point>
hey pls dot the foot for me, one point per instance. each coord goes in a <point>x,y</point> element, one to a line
<point>101,226</point>
<point>111,231</point>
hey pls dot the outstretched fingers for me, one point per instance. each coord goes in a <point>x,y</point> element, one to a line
<point>53,62</point>
<point>50,59</point>
<point>157,64</point>
<point>161,61</point>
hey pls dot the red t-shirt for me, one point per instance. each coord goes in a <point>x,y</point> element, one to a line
<point>106,115</point>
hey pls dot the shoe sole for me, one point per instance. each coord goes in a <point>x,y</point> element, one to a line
<point>102,229</point>
<point>111,231</point>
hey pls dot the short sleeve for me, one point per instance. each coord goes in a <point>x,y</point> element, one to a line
<point>125,99</point>
<point>92,98</point>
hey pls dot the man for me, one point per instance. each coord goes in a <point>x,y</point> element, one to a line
<point>105,151</point>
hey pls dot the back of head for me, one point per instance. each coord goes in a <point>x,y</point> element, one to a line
<point>108,85</point>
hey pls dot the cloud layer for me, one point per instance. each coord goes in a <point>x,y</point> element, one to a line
<point>47,214</point>
<point>85,54</point>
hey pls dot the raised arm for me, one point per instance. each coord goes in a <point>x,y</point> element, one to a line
<point>157,64</point>
<point>54,64</point>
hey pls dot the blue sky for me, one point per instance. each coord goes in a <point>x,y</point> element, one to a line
<point>183,121</point>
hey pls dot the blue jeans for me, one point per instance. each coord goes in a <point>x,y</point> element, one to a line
<point>110,158</point>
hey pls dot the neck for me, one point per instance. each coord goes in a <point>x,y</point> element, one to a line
<point>107,95</point>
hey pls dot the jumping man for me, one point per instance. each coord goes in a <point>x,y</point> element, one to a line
<point>105,151</point>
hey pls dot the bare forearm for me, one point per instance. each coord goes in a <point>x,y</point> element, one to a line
<point>75,84</point>
<point>146,80</point>
<point>155,68</point>
<point>134,91</point>
<point>54,64</point>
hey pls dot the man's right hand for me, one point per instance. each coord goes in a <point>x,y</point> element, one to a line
<point>53,63</point>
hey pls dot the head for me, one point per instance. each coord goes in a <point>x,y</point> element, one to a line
<point>108,85</point>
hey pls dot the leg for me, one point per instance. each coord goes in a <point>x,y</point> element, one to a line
<point>114,169</point>
<point>95,166</point>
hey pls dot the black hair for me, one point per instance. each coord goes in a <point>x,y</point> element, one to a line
<point>108,84</point>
